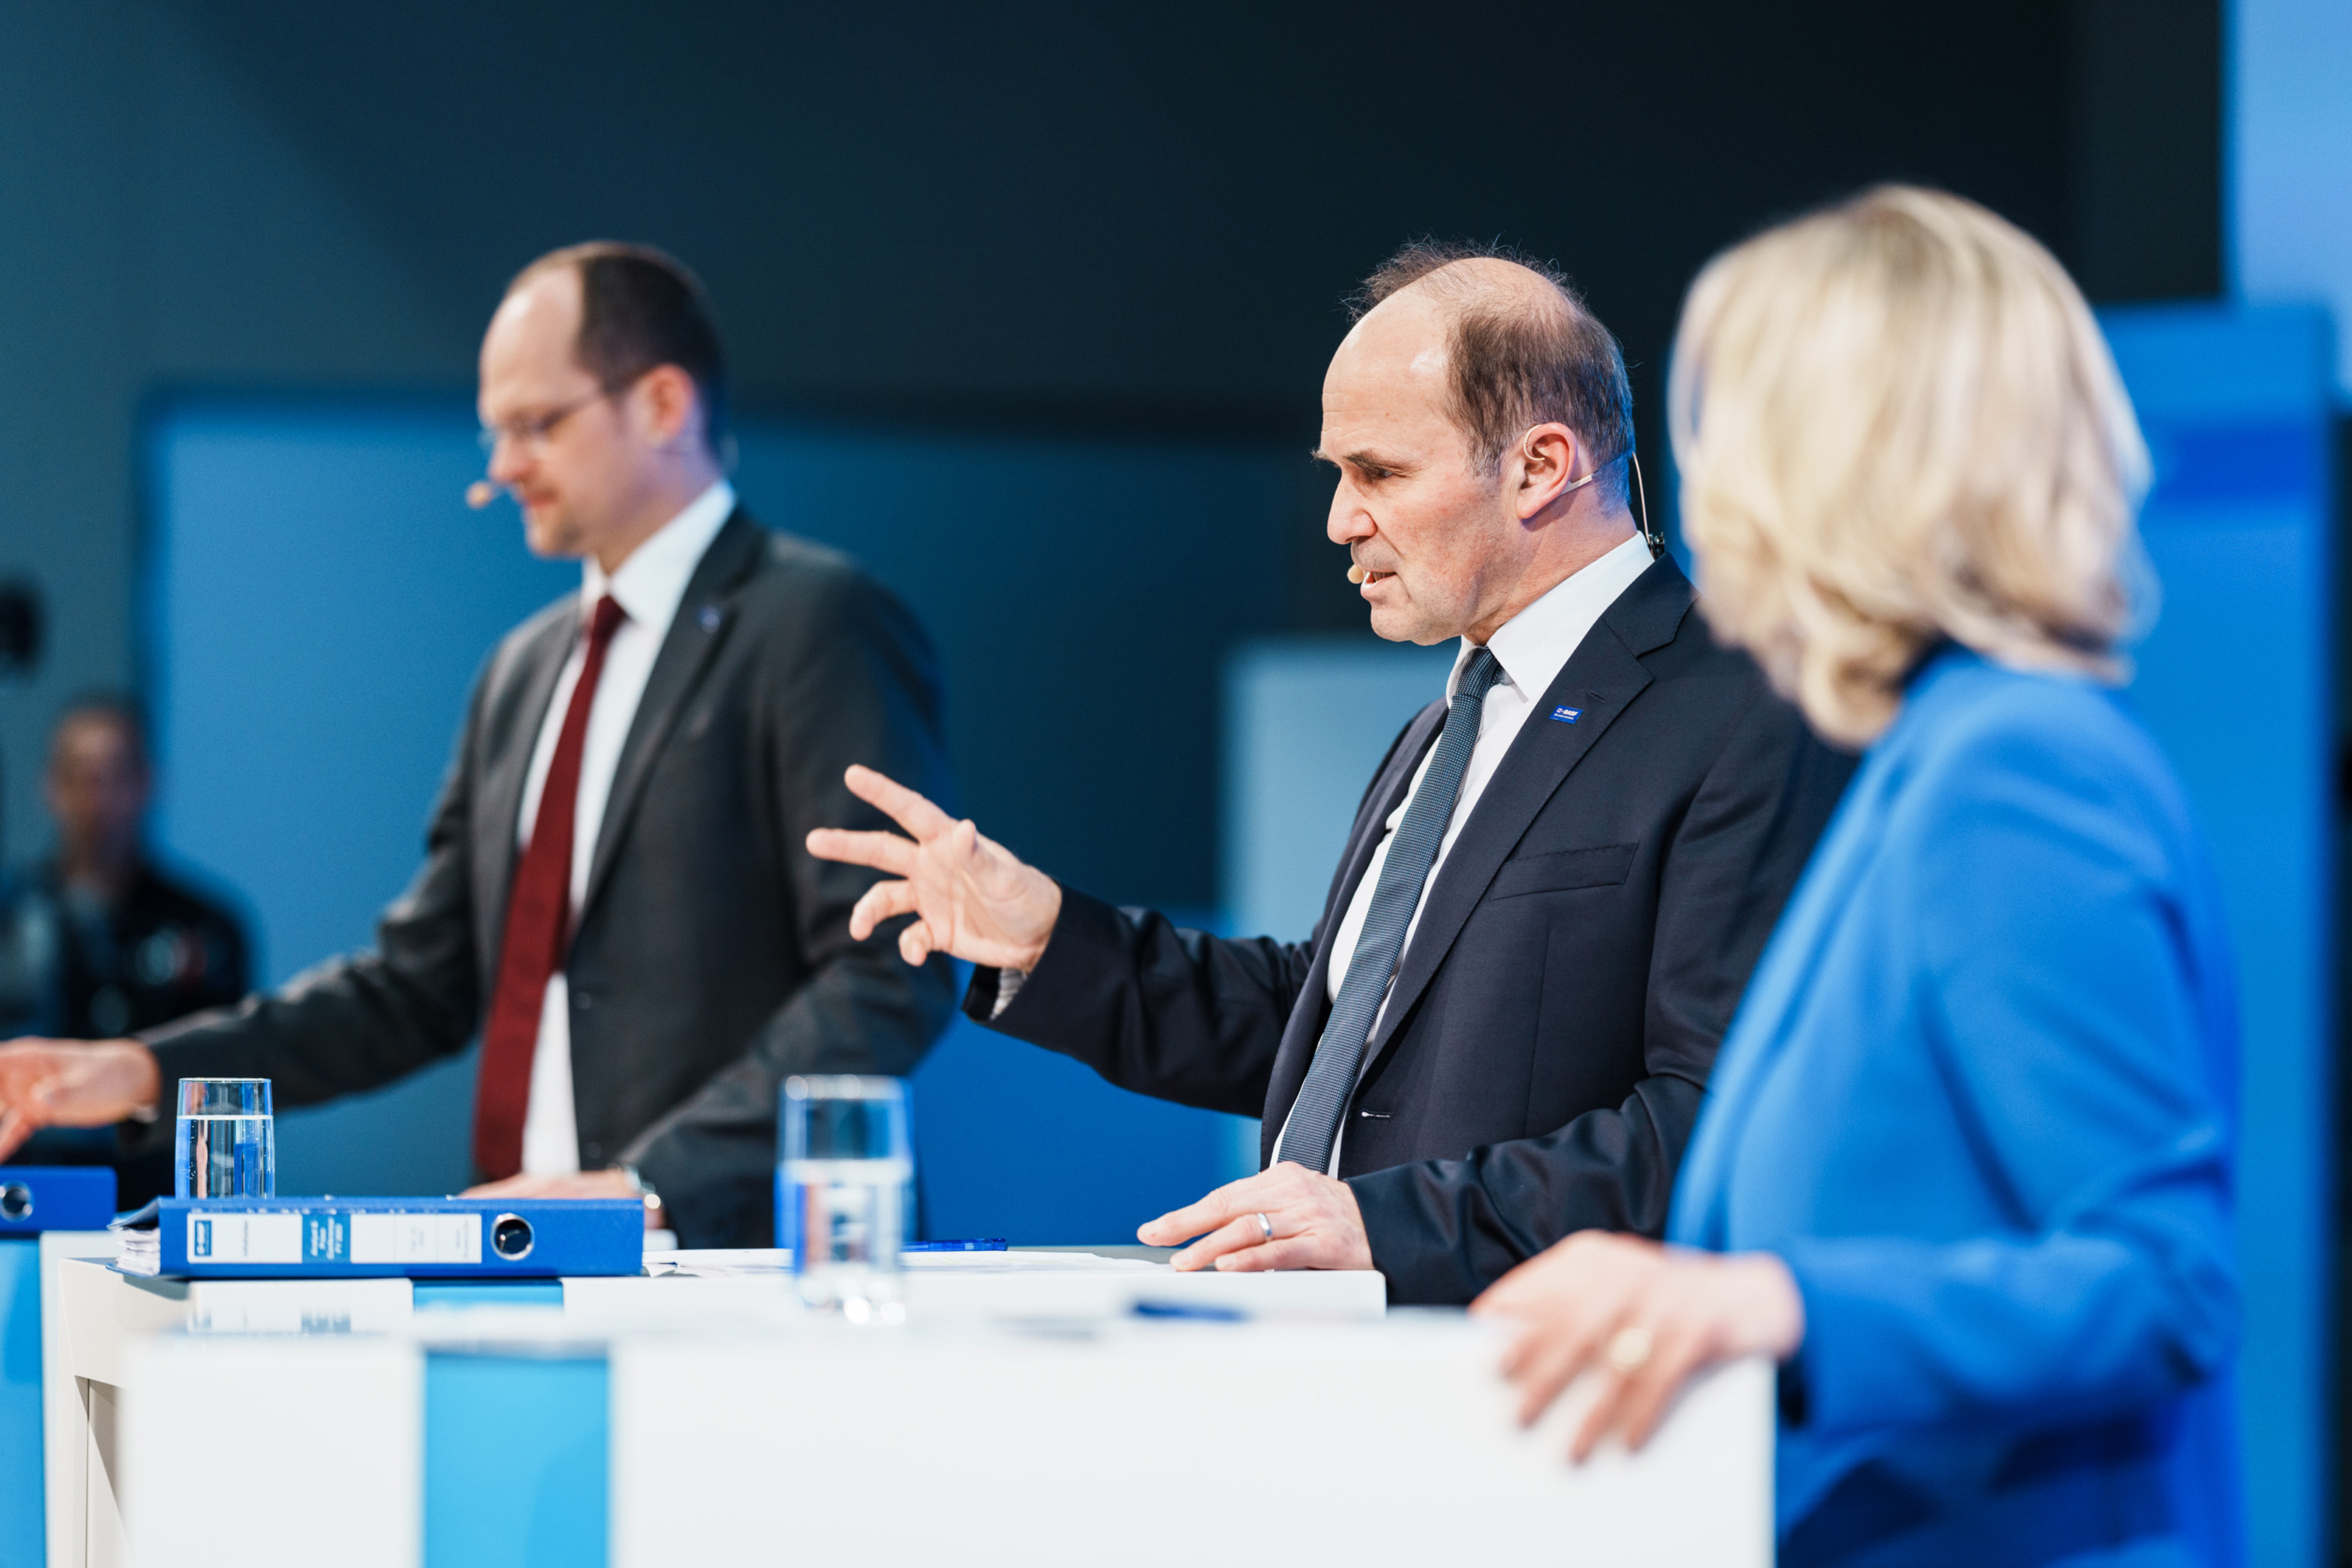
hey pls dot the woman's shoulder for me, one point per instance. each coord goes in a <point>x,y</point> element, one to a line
<point>1985,736</point>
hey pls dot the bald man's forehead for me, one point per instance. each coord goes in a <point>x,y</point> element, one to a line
<point>1398,337</point>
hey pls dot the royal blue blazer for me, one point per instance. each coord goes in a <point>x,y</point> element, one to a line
<point>1980,1098</point>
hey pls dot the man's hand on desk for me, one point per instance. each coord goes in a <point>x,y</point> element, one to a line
<point>970,897</point>
<point>72,1083</point>
<point>612,1183</point>
<point>1287,1217</point>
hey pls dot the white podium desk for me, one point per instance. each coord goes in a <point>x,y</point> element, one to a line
<point>1023,1414</point>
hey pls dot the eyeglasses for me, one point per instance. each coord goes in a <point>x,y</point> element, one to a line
<point>539,429</point>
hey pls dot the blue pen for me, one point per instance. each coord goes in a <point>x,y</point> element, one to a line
<point>981,1244</point>
<point>1192,1311</point>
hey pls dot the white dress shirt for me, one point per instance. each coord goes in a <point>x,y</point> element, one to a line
<point>1532,646</point>
<point>648,585</point>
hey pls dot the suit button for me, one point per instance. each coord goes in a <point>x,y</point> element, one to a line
<point>583,1000</point>
<point>590,1152</point>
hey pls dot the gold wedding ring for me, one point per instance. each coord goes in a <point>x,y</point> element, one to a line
<point>1629,1349</point>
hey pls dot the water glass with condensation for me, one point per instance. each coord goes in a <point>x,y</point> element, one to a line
<point>846,1166</point>
<point>225,1144</point>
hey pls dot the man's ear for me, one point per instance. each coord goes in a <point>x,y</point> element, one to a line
<point>1545,463</point>
<point>664,402</point>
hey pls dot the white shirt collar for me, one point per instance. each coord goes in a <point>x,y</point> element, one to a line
<point>1533,645</point>
<point>652,580</point>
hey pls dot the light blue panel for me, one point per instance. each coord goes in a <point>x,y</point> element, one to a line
<point>1307,720</point>
<point>2235,681</point>
<point>516,1461</point>
<point>2290,184</point>
<point>320,597</point>
<point>20,1402</point>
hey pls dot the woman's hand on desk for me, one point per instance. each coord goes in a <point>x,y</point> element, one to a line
<point>73,1083</point>
<point>970,897</point>
<point>1642,1316</point>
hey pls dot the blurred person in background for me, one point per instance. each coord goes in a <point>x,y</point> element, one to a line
<point>1556,884</point>
<point>613,890</point>
<point>1966,1166</point>
<point>99,939</point>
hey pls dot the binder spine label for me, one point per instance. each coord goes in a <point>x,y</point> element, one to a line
<point>245,1239</point>
<point>417,1238</point>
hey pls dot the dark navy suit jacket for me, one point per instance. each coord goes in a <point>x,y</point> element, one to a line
<point>711,957</point>
<point>1979,1100</point>
<point>1578,956</point>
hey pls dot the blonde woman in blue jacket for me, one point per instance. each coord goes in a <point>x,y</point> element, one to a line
<point>1966,1165</point>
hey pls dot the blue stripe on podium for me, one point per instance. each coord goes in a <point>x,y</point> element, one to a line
<point>21,1494</point>
<point>515,1461</point>
<point>434,1294</point>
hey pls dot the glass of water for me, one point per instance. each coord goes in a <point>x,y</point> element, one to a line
<point>842,1180</point>
<point>225,1144</point>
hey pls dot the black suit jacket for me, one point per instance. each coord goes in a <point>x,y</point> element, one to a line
<point>1579,957</point>
<point>711,956</point>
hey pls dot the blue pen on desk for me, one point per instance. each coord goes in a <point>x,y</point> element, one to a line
<point>1195,1312</point>
<point>980,1244</point>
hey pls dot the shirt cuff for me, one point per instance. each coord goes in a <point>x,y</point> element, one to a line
<point>1008,986</point>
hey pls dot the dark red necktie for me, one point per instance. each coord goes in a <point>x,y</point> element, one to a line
<point>538,927</point>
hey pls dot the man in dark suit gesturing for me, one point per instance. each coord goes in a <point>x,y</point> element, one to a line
<point>614,890</point>
<point>1557,883</point>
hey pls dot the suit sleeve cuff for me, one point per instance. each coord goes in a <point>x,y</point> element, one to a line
<point>1085,942</point>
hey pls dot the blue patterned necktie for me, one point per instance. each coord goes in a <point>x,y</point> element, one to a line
<point>1315,1116</point>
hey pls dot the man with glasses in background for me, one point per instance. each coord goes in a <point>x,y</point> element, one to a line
<point>614,893</point>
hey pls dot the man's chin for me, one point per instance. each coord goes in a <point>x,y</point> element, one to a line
<point>550,539</point>
<point>1399,624</point>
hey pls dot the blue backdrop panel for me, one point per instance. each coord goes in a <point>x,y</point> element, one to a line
<point>1020,1142</point>
<point>2235,681</point>
<point>1307,721</point>
<point>318,599</point>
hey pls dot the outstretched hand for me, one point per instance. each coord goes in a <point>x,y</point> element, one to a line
<point>71,1083</point>
<point>970,897</point>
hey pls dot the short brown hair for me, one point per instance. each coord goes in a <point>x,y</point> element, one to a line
<point>640,309</point>
<point>1515,368</point>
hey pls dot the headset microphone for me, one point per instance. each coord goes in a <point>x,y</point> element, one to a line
<point>481,493</point>
<point>1357,573</point>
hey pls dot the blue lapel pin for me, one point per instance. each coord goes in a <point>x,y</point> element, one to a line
<point>1568,715</point>
<point>708,618</point>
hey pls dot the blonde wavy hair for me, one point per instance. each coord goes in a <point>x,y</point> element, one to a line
<point>1896,422</point>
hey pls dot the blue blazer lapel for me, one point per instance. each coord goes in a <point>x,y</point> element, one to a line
<point>1782,976</point>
